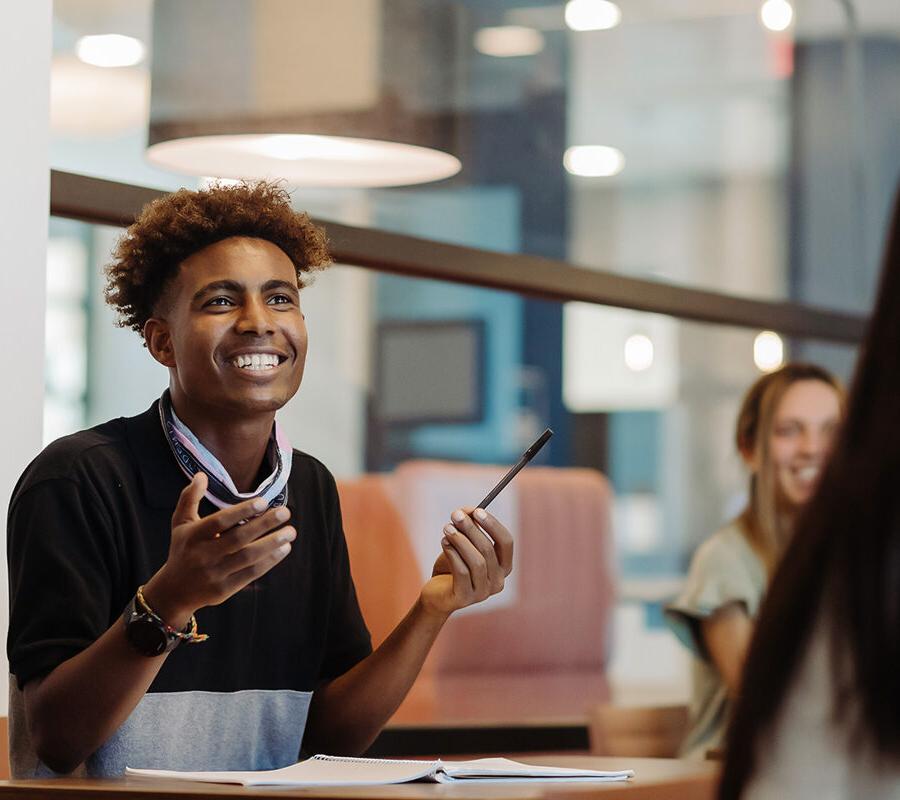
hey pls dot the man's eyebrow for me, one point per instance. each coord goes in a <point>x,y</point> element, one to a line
<point>215,286</point>
<point>237,288</point>
<point>268,286</point>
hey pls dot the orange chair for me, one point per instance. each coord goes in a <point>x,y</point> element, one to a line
<point>544,654</point>
<point>381,559</point>
<point>384,569</point>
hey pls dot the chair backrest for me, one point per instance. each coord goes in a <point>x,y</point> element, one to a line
<point>559,612</point>
<point>385,573</point>
<point>650,732</point>
<point>558,617</point>
<point>542,650</point>
<point>384,567</point>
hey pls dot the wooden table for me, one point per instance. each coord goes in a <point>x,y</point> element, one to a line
<point>655,779</point>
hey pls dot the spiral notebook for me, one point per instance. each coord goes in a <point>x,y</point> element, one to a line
<point>324,770</point>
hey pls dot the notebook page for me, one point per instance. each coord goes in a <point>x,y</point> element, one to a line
<point>505,769</point>
<point>317,771</point>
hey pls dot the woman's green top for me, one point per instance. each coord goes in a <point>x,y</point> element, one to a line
<point>725,569</point>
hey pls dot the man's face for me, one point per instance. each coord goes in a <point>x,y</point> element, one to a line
<point>233,334</point>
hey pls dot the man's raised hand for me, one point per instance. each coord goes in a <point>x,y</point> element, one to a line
<point>476,558</point>
<point>211,558</point>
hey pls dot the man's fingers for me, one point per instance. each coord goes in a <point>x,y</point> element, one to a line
<point>482,542</point>
<point>259,550</point>
<point>501,537</point>
<point>188,505</point>
<point>474,561</point>
<point>238,537</point>
<point>229,517</point>
<point>238,580</point>
<point>458,568</point>
<point>503,540</point>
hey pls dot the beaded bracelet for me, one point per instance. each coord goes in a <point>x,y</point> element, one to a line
<point>189,634</point>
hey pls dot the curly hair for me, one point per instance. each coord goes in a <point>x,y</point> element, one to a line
<point>173,228</point>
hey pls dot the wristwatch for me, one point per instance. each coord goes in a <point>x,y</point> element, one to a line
<point>149,635</point>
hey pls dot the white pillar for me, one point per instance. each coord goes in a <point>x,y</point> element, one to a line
<point>25,48</point>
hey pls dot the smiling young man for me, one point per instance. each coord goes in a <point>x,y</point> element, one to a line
<point>180,593</point>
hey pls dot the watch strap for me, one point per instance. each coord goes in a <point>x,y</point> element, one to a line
<point>188,633</point>
<point>149,634</point>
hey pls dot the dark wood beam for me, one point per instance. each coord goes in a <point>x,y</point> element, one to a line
<point>104,202</point>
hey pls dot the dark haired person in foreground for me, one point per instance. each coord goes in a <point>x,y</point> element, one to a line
<point>180,594</point>
<point>819,714</point>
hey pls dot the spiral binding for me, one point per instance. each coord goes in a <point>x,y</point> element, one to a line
<point>357,760</point>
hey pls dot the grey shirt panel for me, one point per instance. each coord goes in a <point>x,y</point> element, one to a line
<point>245,730</point>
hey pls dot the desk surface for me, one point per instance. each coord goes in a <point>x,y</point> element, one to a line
<point>655,779</point>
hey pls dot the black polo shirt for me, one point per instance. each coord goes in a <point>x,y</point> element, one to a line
<point>90,521</point>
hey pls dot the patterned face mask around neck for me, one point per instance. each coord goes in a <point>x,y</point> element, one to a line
<point>193,457</point>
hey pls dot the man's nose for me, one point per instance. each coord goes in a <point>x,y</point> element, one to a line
<point>255,318</point>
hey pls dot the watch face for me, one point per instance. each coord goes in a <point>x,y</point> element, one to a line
<point>146,636</point>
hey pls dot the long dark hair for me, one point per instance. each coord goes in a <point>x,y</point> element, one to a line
<point>843,565</point>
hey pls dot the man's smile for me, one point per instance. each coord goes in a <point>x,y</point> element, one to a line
<point>258,364</point>
<point>257,361</point>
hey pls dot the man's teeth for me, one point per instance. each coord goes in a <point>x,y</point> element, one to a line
<point>256,361</point>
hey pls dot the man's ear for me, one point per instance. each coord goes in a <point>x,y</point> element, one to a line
<point>159,341</point>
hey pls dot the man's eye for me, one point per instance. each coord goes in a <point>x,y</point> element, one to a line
<point>280,299</point>
<point>220,301</point>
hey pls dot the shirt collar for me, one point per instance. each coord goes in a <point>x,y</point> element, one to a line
<point>161,478</point>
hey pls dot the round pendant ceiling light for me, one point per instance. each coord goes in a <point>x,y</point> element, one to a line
<point>286,90</point>
<point>304,159</point>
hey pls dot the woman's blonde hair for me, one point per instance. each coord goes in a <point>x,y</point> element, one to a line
<point>764,523</point>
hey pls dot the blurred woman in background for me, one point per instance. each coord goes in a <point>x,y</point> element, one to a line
<point>819,714</point>
<point>783,434</point>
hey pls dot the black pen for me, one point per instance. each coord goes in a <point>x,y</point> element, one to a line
<point>530,453</point>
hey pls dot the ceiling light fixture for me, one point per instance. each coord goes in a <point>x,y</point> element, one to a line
<point>638,352</point>
<point>592,15</point>
<point>110,50</point>
<point>776,15</point>
<point>304,160</point>
<point>768,351</point>
<point>315,105</point>
<point>593,161</point>
<point>509,41</point>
